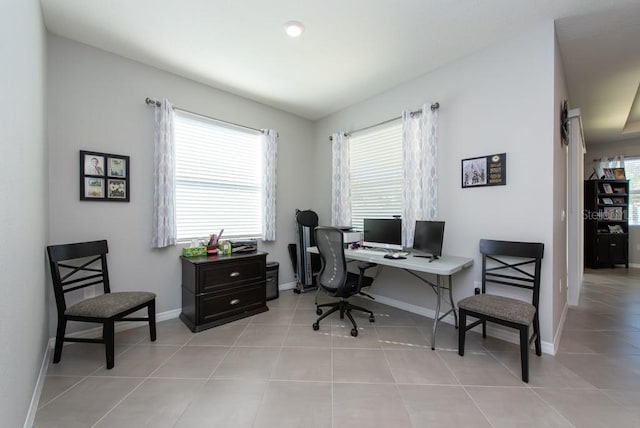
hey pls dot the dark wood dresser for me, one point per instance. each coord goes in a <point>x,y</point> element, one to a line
<point>220,289</point>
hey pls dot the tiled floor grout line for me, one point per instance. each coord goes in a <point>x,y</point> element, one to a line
<point>495,350</point>
<point>149,376</point>
<point>552,406</point>
<point>83,377</point>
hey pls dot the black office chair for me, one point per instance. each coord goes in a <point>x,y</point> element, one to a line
<point>75,266</point>
<point>507,263</point>
<point>335,280</point>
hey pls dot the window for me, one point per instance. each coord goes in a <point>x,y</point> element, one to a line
<point>218,178</point>
<point>376,173</point>
<point>632,171</point>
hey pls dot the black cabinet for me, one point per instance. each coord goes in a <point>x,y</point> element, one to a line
<point>220,289</point>
<point>606,223</point>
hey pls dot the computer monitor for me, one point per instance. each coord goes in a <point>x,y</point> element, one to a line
<point>427,239</point>
<point>383,233</point>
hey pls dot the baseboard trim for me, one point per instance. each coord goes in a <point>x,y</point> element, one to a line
<point>558,334</point>
<point>493,331</point>
<point>287,286</point>
<point>91,332</point>
<point>37,391</point>
<point>120,326</point>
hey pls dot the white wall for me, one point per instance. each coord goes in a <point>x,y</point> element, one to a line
<point>498,100</point>
<point>558,298</point>
<point>97,103</point>
<point>628,148</point>
<point>23,206</point>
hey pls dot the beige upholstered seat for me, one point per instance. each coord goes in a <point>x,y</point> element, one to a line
<point>109,305</point>
<point>502,307</point>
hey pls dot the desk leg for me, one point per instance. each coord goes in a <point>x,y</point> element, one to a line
<point>453,306</point>
<point>437,316</point>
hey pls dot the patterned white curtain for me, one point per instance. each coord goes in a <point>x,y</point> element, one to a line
<point>164,181</point>
<point>613,162</point>
<point>340,181</point>
<point>420,160</point>
<point>269,180</point>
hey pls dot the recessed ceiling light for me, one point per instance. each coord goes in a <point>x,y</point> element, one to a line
<point>293,28</point>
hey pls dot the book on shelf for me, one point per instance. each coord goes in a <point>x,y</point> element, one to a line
<point>619,190</point>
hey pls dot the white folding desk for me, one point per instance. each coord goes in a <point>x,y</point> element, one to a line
<point>443,267</point>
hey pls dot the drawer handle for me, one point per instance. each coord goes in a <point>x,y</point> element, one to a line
<point>234,301</point>
<point>614,245</point>
<point>234,274</point>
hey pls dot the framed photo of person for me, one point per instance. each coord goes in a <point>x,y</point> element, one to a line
<point>104,177</point>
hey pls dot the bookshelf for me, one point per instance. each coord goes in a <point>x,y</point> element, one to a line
<point>606,223</point>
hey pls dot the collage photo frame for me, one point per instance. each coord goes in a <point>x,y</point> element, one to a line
<point>104,177</point>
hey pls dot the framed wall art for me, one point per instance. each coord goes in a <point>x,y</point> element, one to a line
<point>488,170</point>
<point>104,177</point>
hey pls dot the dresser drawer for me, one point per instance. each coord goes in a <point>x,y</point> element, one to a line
<point>221,275</point>
<point>228,303</point>
<point>220,289</point>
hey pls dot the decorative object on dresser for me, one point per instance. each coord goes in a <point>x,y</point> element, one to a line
<point>606,223</point>
<point>223,288</point>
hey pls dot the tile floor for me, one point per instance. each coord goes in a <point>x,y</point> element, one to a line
<point>273,370</point>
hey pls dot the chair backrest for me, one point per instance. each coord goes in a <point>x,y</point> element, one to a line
<point>515,264</point>
<point>88,267</point>
<point>333,270</point>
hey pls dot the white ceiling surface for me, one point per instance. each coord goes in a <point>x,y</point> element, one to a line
<point>352,50</point>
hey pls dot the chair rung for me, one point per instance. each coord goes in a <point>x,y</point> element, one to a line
<point>473,324</point>
<point>83,340</point>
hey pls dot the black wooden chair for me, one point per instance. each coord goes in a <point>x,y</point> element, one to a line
<point>335,280</point>
<point>515,264</point>
<point>75,266</point>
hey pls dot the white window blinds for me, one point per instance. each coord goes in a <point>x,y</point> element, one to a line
<point>632,172</point>
<point>218,178</point>
<point>376,173</point>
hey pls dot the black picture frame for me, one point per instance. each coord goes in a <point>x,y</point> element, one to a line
<point>482,171</point>
<point>104,177</point>
<point>608,173</point>
<point>619,174</point>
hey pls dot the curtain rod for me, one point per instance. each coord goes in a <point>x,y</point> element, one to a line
<point>158,103</point>
<point>434,106</point>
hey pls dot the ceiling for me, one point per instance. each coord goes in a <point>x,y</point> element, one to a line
<point>352,50</point>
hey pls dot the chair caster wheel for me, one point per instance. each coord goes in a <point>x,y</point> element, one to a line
<point>318,311</point>
<point>295,290</point>
<point>316,326</point>
<point>354,332</point>
<point>372,319</point>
